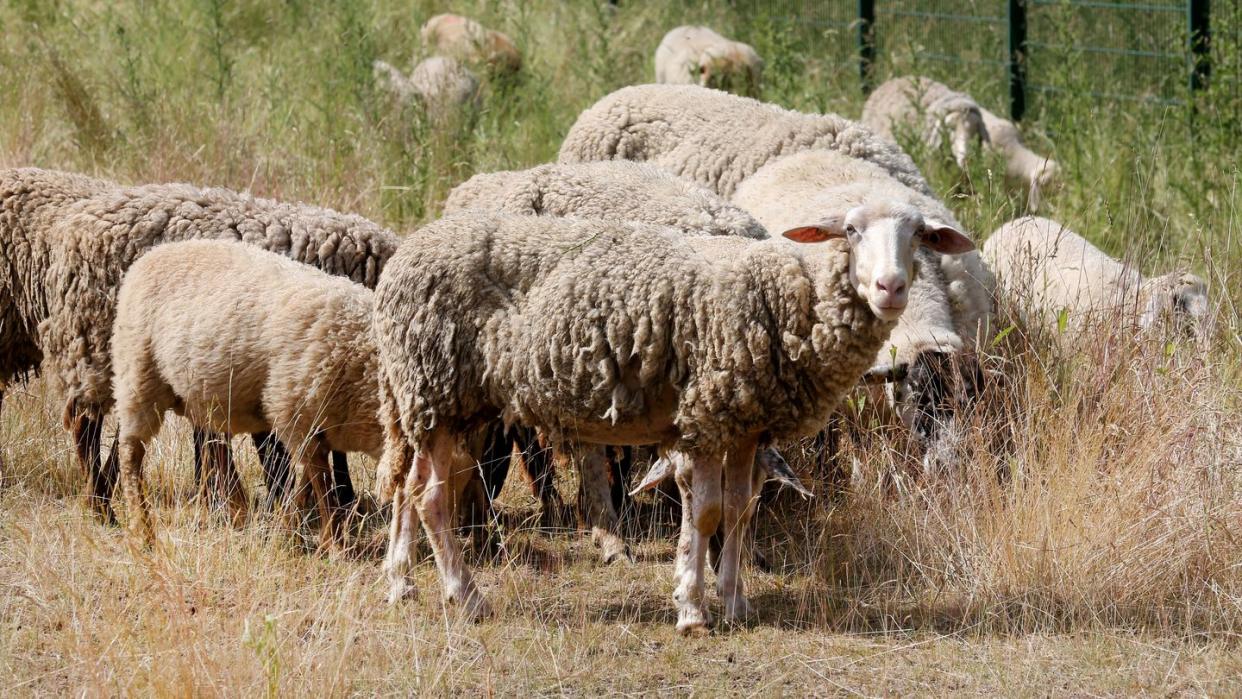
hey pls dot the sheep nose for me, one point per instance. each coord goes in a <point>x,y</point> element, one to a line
<point>893,285</point>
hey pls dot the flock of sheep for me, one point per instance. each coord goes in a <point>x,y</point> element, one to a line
<point>699,271</point>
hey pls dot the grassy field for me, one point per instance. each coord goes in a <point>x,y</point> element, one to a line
<point>1105,559</point>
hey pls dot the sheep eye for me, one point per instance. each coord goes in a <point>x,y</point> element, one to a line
<point>850,229</point>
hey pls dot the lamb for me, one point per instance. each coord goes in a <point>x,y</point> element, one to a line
<point>468,41</point>
<point>239,339</point>
<point>68,288</point>
<point>1037,172</point>
<point>442,85</point>
<point>692,55</point>
<point>907,101</point>
<point>950,297</point>
<point>1049,270</point>
<point>718,139</point>
<point>627,333</point>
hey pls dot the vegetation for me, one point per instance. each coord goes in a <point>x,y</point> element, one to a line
<point>1089,545</point>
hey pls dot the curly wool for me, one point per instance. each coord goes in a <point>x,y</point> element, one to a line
<point>697,339</point>
<point>205,324</point>
<point>950,299</point>
<point>97,239</point>
<point>30,200</point>
<point>610,190</point>
<point>718,139</point>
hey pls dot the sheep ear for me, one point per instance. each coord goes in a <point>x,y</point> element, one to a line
<point>944,238</point>
<point>816,233</point>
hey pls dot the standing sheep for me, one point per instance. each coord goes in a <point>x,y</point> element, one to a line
<point>907,101</point>
<point>950,297</point>
<point>441,85</point>
<point>470,42</point>
<point>718,139</point>
<point>239,339</point>
<point>623,333</point>
<point>691,55</point>
<point>81,249</point>
<point>1049,270</point>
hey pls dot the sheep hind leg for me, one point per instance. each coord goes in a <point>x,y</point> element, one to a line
<point>739,469</point>
<point>440,477</point>
<point>699,480</point>
<point>402,539</point>
<point>595,503</point>
<point>222,480</point>
<point>277,467</point>
<point>317,471</point>
<point>87,438</point>
<point>343,495</point>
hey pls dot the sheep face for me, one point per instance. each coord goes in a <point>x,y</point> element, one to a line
<point>1178,298</point>
<point>882,238</point>
<point>966,127</point>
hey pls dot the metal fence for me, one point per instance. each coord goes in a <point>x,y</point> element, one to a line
<point>1159,52</point>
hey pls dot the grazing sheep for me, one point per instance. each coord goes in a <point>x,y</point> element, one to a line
<point>470,42</point>
<point>718,139</point>
<point>1049,270</point>
<point>1038,173</point>
<point>239,339</point>
<point>699,56</point>
<point>625,333</point>
<point>907,101</point>
<point>442,85</point>
<point>80,249</point>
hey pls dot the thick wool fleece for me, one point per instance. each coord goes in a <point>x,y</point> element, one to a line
<point>608,190</point>
<point>950,299</point>
<point>575,323</point>
<point>718,139</point>
<point>30,201</point>
<point>98,239</point>
<point>909,100</point>
<point>239,339</point>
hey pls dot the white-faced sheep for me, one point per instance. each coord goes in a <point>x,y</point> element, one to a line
<point>1036,172</point>
<point>692,55</point>
<point>1057,277</point>
<point>82,249</point>
<point>470,42</point>
<point>950,297</point>
<point>718,139</point>
<point>443,86</point>
<point>931,108</point>
<point>624,333</point>
<point>239,339</point>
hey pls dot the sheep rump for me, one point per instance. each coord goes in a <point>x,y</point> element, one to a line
<point>718,139</point>
<point>690,55</point>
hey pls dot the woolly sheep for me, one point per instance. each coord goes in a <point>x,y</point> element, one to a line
<point>68,287</point>
<point>442,85</point>
<point>239,339</point>
<point>718,139</point>
<point>1038,173</point>
<point>1047,269</point>
<point>470,42</point>
<point>906,101</point>
<point>691,55</point>
<point>625,333</point>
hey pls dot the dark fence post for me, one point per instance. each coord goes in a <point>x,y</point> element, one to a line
<point>1199,14</point>
<point>1017,58</point>
<point>866,42</point>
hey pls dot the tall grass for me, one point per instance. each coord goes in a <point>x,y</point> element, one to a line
<point>1101,494</point>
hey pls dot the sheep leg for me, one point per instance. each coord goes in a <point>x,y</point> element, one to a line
<point>538,458</point>
<point>277,467</point>
<point>595,503</point>
<point>1,455</point>
<point>440,478</point>
<point>132,452</point>
<point>621,463</point>
<point>317,471</point>
<point>223,482</point>
<point>87,438</point>
<point>402,539</point>
<point>739,468</point>
<point>716,545</point>
<point>343,495</point>
<point>198,438</point>
<point>699,480</point>
<point>497,456</point>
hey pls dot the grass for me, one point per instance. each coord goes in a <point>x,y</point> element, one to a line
<point>1090,545</point>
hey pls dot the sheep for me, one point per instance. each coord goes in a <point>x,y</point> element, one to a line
<point>239,339</point>
<point>906,101</point>
<point>442,85</point>
<point>1058,278</point>
<point>950,297</point>
<point>627,333</point>
<point>691,55</point>
<point>84,247</point>
<point>718,139</point>
<point>1038,173</point>
<point>468,41</point>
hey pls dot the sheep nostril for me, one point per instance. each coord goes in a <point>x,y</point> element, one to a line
<point>891,286</point>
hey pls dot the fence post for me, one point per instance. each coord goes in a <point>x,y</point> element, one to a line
<point>1017,58</point>
<point>866,42</point>
<point>1199,15</point>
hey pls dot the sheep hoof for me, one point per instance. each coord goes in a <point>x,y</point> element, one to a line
<point>621,556</point>
<point>737,609</point>
<point>693,621</point>
<point>475,606</point>
<point>401,591</point>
